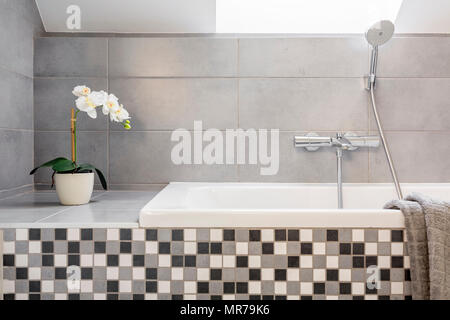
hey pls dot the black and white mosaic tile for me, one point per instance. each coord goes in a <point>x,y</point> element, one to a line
<point>204,264</point>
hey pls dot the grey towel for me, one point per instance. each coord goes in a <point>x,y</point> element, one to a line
<point>428,231</point>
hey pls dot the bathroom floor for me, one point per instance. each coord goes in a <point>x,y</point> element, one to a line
<point>42,209</point>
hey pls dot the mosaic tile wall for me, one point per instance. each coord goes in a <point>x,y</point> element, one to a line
<point>203,264</point>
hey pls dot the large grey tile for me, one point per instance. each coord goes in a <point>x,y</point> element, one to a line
<point>16,91</point>
<point>158,104</point>
<point>303,57</point>
<point>145,157</point>
<point>417,156</point>
<point>415,57</point>
<point>171,57</point>
<point>71,57</point>
<point>299,165</point>
<point>53,99</point>
<point>413,104</point>
<point>92,148</point>
<point>16,33</point>
<point>16,157</point>
<point>303,104</point>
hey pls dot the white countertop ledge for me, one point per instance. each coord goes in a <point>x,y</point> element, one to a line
<point>41,209</point>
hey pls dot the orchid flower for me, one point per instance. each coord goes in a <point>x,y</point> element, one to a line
<point>89,100</point>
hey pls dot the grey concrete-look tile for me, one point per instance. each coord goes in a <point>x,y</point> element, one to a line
<point>17,162</point>
<point>170,57</point>
<point>412,104</point>
<point>293,248</point>
<point>319,262</point>
<point>303,57</point>
<point>358,275</point>
<point>92,148</point>
<point>99,234</point>
<point>17,100</point>
<point>300,104</point>
<point>131,165</point>
<point>9,273</point>
<point>203,261</point>
<point>428,151</point>
<point>125,273</point>
<point>293,288</point>
<point>228,274</point>
<point>254,248</point>
<point>153,103</point>
<point>319,235</point>
<point>190,274</point>
<point>9,234</point>
<point>267,287</point>
<point>345,262</point>
<point>415,57</point>
<point>332,248</point>
<point>345,235</point>
<point>176,287</point>
<point>138,287</point>
<point>242,274</point>
<point>21,247</point>
<point>306,275</point>
<point>61,286</point>
<point>151,260</point>
<point>60,247</point>
<point>164,273</point>
<point>215,287</point>
<point>371,235</point>
<point>17,28</point>
<point>332,288</point>
<point>54,96</point>
<point>71,57</point>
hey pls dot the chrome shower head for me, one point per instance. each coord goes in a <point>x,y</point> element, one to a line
<point>380,33</point>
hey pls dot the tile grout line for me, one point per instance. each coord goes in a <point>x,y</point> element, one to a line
<point>62,210</point>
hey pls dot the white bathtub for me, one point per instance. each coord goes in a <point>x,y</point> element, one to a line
<point>266,205</point>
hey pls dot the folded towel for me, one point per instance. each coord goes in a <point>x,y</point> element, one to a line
<point>427,224</point>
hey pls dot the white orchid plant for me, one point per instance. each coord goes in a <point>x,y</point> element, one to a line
<point>88,101</point>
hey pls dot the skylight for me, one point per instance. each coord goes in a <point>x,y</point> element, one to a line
<point>302,16</point>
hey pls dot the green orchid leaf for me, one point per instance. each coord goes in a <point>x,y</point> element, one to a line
<point>86,167</point>
<point>64,165</point>
<point>102,179</point>
<point>50,163</point>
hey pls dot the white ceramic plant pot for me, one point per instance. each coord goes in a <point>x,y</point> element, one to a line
<point>74,188</point>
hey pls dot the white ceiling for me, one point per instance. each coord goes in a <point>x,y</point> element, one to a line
<point>132,16</point>
<point>199,16</point>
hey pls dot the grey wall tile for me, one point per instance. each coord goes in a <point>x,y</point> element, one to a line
<point>303,104</point>
<point>303,57</point>
<point>53,99</point>
<point>170,57</point>
<point>92,148</point>
<point>413,104</point>
<point>71,57</point>
<point>417,156</point>
<point>144,157</point>
<point>16,157</point>
<point>415,57</point>
<point>16,32</point>
<point>299,165</point>
<point>158,104</point>
<point>16,91</point>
